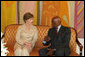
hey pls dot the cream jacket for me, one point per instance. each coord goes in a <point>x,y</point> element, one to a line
<point>23,36</point>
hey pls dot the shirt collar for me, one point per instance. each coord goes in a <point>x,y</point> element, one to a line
<point>59,26</point>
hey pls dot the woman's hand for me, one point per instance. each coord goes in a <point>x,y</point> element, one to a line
<point>28,44</point>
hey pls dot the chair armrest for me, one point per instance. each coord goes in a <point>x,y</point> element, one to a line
<point>80,46</point>
<point>4,33</point>
<point>2,36</point>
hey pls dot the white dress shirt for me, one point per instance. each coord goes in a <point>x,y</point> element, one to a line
<point>58,28</point>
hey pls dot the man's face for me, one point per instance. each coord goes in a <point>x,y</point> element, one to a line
<point>56,22</point>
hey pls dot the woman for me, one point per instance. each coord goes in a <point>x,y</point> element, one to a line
<point>26,36</point>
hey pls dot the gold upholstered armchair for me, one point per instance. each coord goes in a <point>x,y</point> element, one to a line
<point>10,32</point>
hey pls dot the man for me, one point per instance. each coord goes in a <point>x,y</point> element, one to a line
<point>59,38</point>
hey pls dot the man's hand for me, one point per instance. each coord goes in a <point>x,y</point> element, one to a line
<point>46,41</point>
<point>47,38</point>
<point>51,51</point>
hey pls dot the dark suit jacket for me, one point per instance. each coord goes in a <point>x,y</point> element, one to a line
<point>60,42</point>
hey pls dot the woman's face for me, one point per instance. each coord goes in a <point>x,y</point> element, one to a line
<point>29,21</point>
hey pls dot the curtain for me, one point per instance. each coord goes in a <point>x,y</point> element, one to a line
<point>7,13</point>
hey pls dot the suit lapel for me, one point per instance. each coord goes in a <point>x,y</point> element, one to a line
<point>60,30</point>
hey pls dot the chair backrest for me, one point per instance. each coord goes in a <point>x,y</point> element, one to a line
<point>9,37</point>
<point>11,30</point>
<point>73,43</point>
